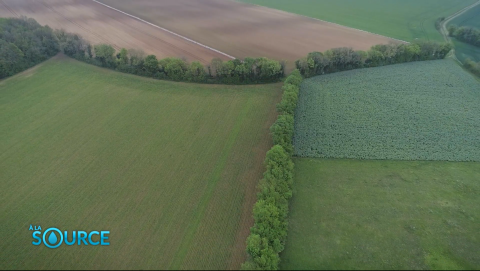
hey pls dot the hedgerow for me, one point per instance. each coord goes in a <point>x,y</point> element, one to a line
<point>343,59</point>
<point>248,71</point>
<point>468,34</point>
<point>269,232</point>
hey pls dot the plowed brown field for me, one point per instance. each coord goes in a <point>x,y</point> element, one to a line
<point>237,29</point>
<point>243,30</point>
<point>100,24</point>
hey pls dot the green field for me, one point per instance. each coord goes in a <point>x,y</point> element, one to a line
<point>469,18</point>
<point>464,50</point>
<point>351,214</point>
<point>405,20</point>
<point>168,168</point>
<point>427,110</point>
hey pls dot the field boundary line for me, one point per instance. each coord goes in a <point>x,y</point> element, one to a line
<point>238,1</point>
<point>166,30</point>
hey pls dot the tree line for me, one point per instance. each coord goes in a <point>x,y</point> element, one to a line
<point>134,61</point>
<point>23,44</point>
<point>269,232</point>
<point>471,36</point>
<point>467,34</point>
<point>342,59</point>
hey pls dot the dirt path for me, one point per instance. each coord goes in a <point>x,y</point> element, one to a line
<point>444,31</point>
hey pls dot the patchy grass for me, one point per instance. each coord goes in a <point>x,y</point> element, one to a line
<point>168,168</point>
<point>352,214</point>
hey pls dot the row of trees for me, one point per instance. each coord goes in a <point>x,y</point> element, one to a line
<point>269,232</point>
<point>250,70</point>
<point>466,34</point>
<point>342,59</point>
<point>23,44</point>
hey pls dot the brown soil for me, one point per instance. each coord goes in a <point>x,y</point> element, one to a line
<point>99,24</point>
<point>243,30</point>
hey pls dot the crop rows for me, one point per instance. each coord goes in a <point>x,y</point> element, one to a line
<point>415,111</point>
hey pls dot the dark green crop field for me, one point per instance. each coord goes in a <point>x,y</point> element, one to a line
<point>405,20</point>
<point>427,110</point>
<point>390,215</point>
<point>168,168</point>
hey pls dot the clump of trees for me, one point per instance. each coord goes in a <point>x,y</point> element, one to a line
<point>269,232</point>
<point>248,71</point>
<point>23,44</point>
<point>470,35</point>
<point>438,23</point>
<point>342,59</point>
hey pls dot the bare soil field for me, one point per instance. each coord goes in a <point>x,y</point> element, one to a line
<point>242,30</point>
<point>100,24</point>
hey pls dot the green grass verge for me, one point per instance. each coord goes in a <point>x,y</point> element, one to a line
<point>469,18</point>
<point>427,110</point>
<point>405,20</point>
<point>464,50</point>
<point>351,214</point>
<point>164,166</point>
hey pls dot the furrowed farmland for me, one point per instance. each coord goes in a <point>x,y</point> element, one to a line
<point>100,24</point>
<point>405,20</point>
<point>414,111</point>
<point>168,168</point>
<point>244,30</point>
<point>390,215</point>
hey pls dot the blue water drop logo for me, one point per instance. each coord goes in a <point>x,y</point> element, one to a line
<point>52,239</point>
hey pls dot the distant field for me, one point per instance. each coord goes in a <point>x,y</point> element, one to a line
<point>99,24</point>
<point>427,110</point>
<point>169,169</point>
<point>464,50</point>
<point>404,20</point>
<point>351,214</point>
<point>243,30</point>
<point>469,18</point>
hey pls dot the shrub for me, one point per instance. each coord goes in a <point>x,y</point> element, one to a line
<point>282,132</point>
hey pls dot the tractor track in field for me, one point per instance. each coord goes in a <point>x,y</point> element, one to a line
<point>9,9</point>
<point>161,40</point>
<point>99,24</point>
<point>168,31</point>
<point>82,27</point>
